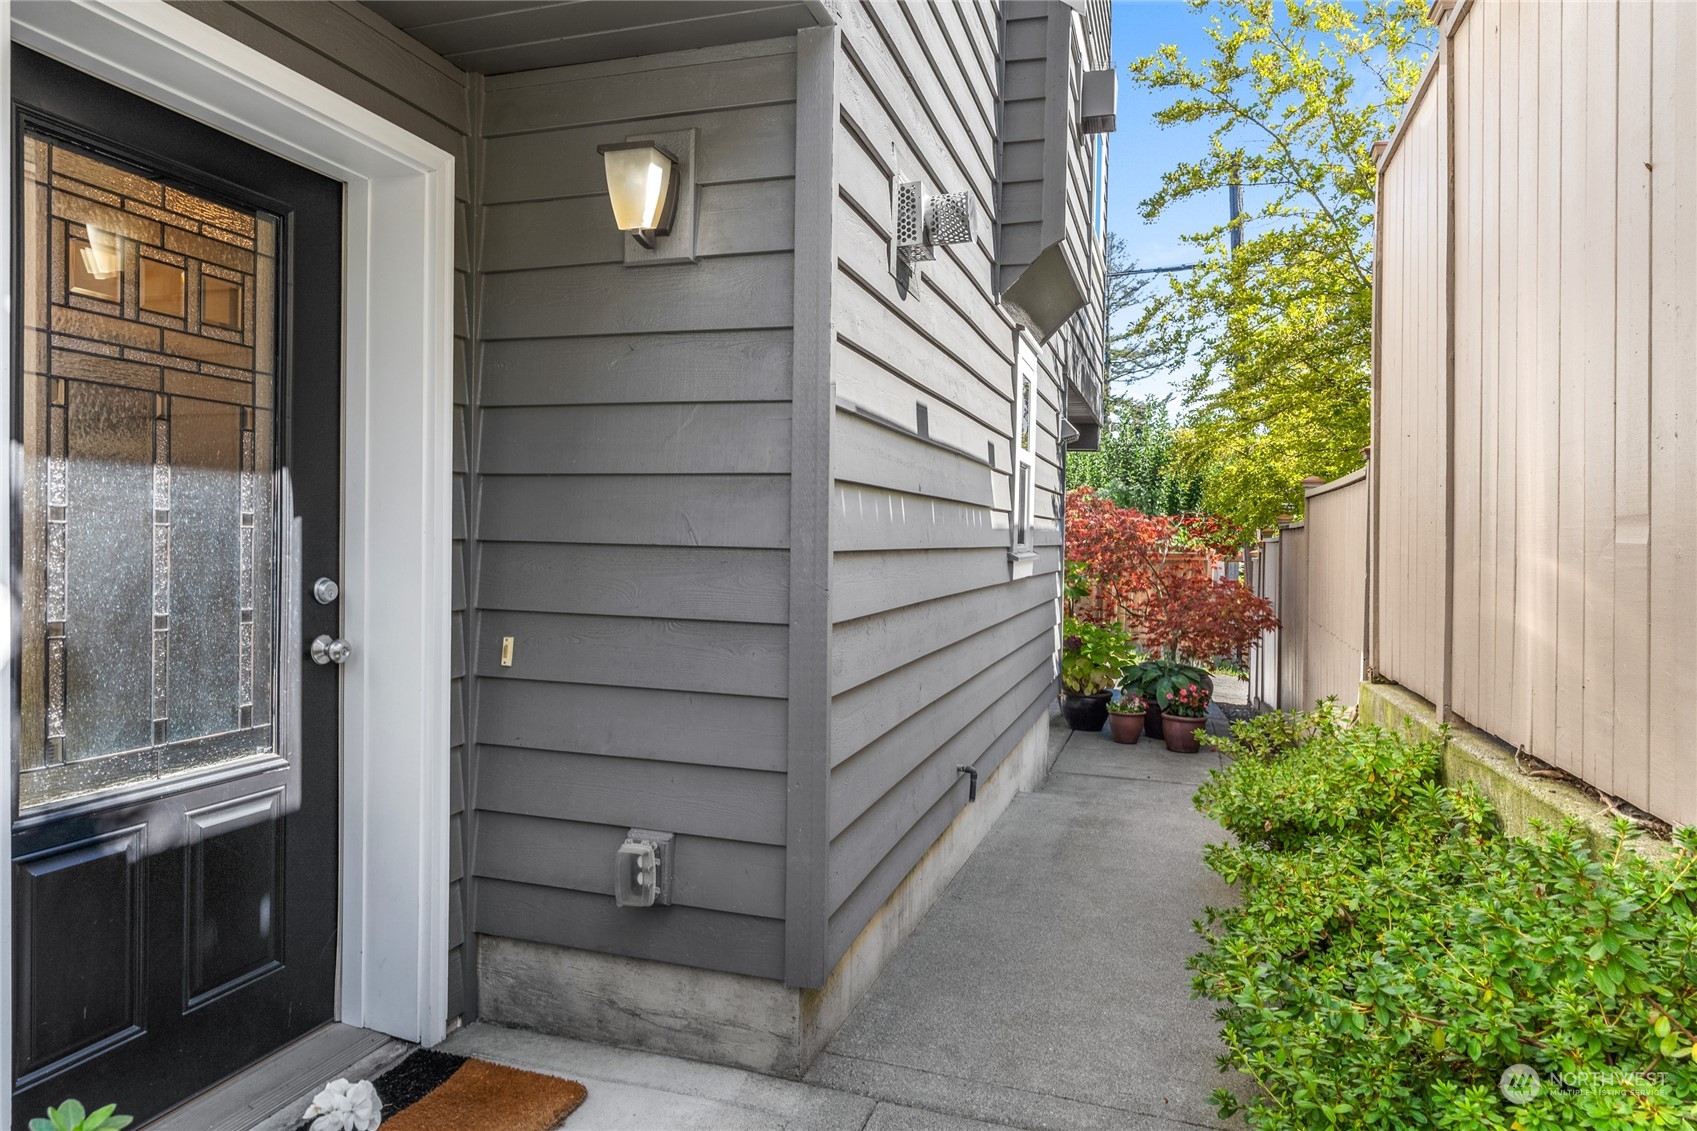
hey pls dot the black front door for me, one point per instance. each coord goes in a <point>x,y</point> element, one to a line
<point>177,299</point>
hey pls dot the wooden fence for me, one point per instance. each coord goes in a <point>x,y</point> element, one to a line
<point>1315,574</point>
<point>1098,608</point>
<point>1534,518</point>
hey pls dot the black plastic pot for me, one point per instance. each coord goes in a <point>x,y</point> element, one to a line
<point>1152,721</point>
<point>1086,712</point>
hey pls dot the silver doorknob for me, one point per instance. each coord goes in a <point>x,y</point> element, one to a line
<point>326,650</point>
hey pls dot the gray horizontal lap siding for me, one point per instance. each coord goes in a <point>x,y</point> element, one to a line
<point>1046,188</point>
<point>634,513</point>
<point>939,658</point>
<point>361,57</point>
<point>632,441</point>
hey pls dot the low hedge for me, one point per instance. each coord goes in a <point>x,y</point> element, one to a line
<point>1394,954</point>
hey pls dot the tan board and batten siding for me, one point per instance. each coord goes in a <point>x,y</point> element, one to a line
<point>1573,454</point>
<point>365,59</point>
<point>634,513</point>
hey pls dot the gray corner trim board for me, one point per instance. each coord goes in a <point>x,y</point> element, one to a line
<point>473,552</point>
<point>808,849</point>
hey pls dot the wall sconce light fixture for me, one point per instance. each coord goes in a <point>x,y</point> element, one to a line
<point>642,180</point>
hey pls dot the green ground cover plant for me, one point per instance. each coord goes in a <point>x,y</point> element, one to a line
<point>1394,954</point>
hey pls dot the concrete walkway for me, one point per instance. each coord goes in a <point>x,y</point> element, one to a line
<point>1046,989</point>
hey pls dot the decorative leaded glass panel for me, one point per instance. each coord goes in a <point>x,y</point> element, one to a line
<point>148,504</point>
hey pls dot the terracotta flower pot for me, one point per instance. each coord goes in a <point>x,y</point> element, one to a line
<point>1125,728</point>
<point>1086,712</point>
<point>1152,721</point>
<point>1183,735</point>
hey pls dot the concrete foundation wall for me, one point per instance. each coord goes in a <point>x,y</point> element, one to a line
<point>1471,755</point>
<point>734,1019</point>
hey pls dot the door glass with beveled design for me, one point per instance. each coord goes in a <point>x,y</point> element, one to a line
<point>148,504</point>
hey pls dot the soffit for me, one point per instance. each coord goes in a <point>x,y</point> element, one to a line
<point>496,37</point>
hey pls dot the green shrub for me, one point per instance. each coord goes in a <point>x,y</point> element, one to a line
<point>1393,954</point>
<point>1274,734</point>
<point>1303,775</point>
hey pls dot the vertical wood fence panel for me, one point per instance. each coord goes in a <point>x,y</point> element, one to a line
<point>1335,605</point>
<point>1564,341</point>
<point>1410,455</point>
<point>1315,573</point>
<point>1672,691</point>
<point>1292,604</point>
<point>1264,660</point>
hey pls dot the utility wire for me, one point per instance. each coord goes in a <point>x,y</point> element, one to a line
<point>1152,270</point>
<point>1234,206</point>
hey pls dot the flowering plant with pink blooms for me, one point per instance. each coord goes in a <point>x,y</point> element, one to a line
<point>1188,702</point>
<point>1129,703</point>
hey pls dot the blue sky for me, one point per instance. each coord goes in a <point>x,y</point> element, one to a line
<point>1142,151</point>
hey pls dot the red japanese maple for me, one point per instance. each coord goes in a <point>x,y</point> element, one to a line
<point>1142,567</point>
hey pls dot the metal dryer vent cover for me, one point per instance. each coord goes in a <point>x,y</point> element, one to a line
<point>910,222</point>
<point>948,218</point>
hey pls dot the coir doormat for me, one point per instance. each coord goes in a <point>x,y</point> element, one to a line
<point>437,1091</point>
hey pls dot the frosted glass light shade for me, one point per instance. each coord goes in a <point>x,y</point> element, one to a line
<point>641,179</point>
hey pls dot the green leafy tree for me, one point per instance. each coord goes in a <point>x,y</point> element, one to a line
<point>1132,355</point>
<point>1294,92</point>
<point>1136,465</point>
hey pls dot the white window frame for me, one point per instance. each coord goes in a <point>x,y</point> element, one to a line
<point>1024,445</point>
<point>397,416</point>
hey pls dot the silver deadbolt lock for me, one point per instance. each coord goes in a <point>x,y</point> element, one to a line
<point>326,650</point>
<point>325,590</point>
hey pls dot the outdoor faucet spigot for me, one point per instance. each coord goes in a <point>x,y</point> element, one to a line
<point>972,782</point>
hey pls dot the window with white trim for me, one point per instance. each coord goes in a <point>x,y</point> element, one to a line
<point>1024,442</point>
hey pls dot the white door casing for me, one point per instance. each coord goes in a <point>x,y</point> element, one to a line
<point>397,471</point>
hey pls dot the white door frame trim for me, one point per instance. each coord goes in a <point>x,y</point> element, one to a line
<point>397,470</point>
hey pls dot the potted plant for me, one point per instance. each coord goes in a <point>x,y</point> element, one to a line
<point>70,1116</point>
<point>1092,658</point>
<point>1184,715</point>
<point>1152,572</point>
<point>1156,680</point>
<point>1125,717</point>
